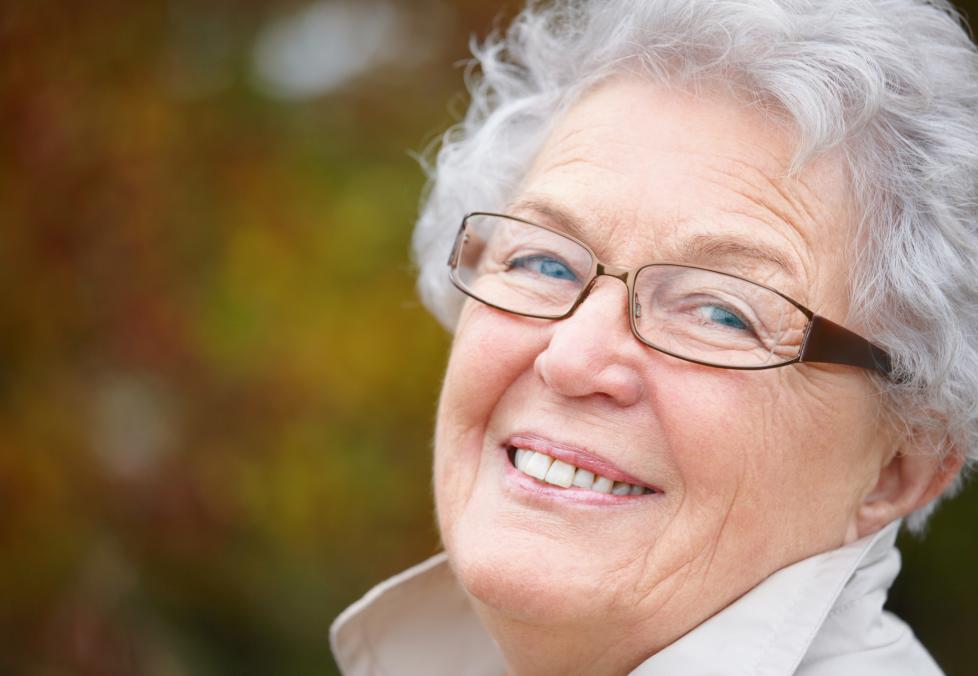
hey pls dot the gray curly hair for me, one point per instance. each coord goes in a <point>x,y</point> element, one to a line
<point>893,84</point>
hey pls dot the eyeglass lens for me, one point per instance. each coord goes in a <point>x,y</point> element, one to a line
<point>696,314</point>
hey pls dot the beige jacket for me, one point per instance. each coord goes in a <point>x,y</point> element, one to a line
<point>821,616</point>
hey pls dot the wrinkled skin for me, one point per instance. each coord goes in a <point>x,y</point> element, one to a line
<point>756,470</point>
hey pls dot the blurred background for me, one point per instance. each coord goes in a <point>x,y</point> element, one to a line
<point>216,385</point>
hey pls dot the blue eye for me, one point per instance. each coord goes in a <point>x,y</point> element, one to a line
<point>724,317</point>
<point>543,265</point>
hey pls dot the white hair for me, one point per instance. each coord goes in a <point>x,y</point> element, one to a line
<point>892,84</point>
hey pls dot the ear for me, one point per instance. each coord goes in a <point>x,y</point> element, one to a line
<point>909,480</point>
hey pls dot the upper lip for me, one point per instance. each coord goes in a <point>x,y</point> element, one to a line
<point>585,459</point>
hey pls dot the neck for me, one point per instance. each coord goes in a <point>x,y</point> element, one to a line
<point>568,650</point>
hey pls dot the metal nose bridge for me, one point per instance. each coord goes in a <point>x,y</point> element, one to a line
<point>602,270</point>
<point>618,273</point>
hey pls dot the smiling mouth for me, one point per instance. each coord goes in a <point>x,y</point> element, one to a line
<point>562,474</point>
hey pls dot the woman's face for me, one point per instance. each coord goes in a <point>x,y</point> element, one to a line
<point>750,470</point>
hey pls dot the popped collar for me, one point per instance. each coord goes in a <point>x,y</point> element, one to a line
<point>822,616</point>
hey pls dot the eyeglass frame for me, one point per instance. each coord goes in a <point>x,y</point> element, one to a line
<point>825,341</point>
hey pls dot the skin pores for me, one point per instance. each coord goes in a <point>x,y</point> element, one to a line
<point>753,470</point>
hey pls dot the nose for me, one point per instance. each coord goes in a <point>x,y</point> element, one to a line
<point>593,352</point>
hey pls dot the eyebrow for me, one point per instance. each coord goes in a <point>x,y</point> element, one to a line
<point>700,247</point>
<point>729,246</point>
<point>556,216</point>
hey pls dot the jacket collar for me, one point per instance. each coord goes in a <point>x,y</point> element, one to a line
<point>417,623</point>
<point>771,628</point>
<point>421,622</point>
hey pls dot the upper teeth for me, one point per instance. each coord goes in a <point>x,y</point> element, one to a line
<point>559,473</point>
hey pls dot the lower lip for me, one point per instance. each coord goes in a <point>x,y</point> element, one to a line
<point>527,485</point>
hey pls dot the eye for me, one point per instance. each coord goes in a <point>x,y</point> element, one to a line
<point>542,265</point>
<point>723,316</point>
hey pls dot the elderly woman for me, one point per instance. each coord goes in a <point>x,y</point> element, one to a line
<point>714,305</point>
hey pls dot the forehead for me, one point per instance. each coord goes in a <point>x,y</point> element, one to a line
<point>645,173</point>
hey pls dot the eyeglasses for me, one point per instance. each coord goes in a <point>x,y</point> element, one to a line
<point>699,315</point>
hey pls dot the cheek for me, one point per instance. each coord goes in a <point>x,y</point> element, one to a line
<point>716,424</point>
<point>725,434</point>
<point>771,461</point>
<point>490,351</point>
<point>837,434</point>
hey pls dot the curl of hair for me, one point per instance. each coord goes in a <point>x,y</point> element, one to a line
<point>892,84</point>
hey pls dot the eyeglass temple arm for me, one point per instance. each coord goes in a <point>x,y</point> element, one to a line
<point>829,343</point>
<point>456,246</point>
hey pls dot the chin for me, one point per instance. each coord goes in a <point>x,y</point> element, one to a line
<point>524,575</point>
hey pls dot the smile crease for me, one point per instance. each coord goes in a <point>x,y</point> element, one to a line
<point>544,468</point>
